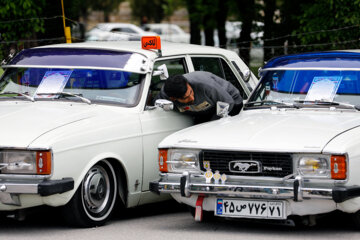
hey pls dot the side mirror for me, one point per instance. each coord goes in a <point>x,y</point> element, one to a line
<point>222,109</point>
<point>164,104</point>
<point>162,72</point>
<point>246,75</point>
<point>260,72</point>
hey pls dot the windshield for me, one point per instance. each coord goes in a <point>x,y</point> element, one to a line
<point>287,87</point>
<point>101,86</point>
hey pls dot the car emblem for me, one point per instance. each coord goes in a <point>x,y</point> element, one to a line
<point>244,166</point>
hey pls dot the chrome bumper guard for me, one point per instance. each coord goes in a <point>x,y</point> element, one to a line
<point>293,189</point>
<point>10,190</point>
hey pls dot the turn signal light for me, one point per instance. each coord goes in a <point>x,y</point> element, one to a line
<point>43,162</point>
<point>338,167</point>
<point>163,160</point>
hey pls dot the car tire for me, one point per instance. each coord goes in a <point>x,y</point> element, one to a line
<point>94,200</point>
<point>356,219</point>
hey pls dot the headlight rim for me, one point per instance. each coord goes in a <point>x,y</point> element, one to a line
<point>195,168</point>
<point>316,174</point>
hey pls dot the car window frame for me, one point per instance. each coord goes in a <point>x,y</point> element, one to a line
<point>242,83</point>
<point>187,70</point>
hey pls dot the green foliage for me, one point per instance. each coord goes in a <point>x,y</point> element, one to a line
<point>15,31</point>
<point>107,6</point>
<point>169,6</point>
<point>155,10</point>
<point>324,15</point>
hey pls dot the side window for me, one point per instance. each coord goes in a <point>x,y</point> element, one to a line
<point>174,66</point>
<point>230,76</point>
<point>125,30</point>
<point>207,64</point>
<point>220,68</point>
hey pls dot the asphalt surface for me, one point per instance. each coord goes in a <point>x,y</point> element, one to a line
<point>171,221</point>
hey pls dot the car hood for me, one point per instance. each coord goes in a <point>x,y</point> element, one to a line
<point>23,122</point>
<point>267,130</point>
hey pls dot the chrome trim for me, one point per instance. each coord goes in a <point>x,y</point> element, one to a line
<point>310,68</point>
<point>23,177</point>
<point>296,188</point>
<point>248,191</point>
<point>25,148</point>
<point>27,188</point>
<point>257,164</point>
<point>290,177</point>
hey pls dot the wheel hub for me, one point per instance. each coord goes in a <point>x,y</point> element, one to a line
<point>96,189</point>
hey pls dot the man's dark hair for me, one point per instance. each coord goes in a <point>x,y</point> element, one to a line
<point>175,86</point>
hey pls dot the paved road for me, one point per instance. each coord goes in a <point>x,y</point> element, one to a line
<point>170,221</point>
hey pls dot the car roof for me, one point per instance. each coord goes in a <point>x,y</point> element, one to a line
<point>115,24</point>
<point>167,48</point>
<point>160,24</point>
<point>317,60</point>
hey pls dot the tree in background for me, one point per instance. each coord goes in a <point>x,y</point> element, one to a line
<point>15,33</point>
<point>54,27</point>
<point>269,26</point>
<point>195,19</point>
<point>246,10</point>
<point>342,16</point>
<point>151,10</point>
<point>221,14</point>
<point>107,6</point>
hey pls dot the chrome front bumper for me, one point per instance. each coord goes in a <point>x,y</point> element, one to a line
<point>10,190</point>
<point>294,189</point>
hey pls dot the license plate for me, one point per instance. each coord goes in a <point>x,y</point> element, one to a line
<point>250,208</point>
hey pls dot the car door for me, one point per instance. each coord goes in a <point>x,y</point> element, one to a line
<point>158,123</point>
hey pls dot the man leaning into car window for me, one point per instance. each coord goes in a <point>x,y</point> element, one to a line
<point>197,93</point>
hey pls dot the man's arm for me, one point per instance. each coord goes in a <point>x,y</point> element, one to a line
<point>224,91</point>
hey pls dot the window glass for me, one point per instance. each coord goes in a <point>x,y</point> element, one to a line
<point>208,64</point>
<point>106,86</point>
<point>220,68</point>
<point>125,30</point>
<point>230,76</point>
<point>309,85</point>
<point>174,66</point>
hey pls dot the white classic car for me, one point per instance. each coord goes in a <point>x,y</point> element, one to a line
<point>169,32</point>
<point>79,127</point>
<point>294,149</point>
<point>116,32</point>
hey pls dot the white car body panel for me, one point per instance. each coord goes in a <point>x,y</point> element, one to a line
<point>80,135</point>
<point>268,130</point>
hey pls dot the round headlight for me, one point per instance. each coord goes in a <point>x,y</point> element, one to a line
<point>313,166</point>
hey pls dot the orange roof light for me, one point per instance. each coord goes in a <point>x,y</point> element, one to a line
<point>151,42</point>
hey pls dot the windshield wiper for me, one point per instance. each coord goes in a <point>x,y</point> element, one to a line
<point>268,102</point>
<point>77,95</point>
<point>21,94</point>
<point>327,103</point>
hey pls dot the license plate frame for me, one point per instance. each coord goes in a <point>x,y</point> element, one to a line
<point>250,208</point>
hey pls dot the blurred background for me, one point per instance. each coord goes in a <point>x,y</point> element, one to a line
<point>256,29</point>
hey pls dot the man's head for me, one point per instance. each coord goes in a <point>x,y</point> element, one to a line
<point>178,89</point>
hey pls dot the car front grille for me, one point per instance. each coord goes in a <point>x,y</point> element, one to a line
<point>247,163</point>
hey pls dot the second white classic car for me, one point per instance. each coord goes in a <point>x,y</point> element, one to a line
<point>294,150</point>
<point>79,129</point>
